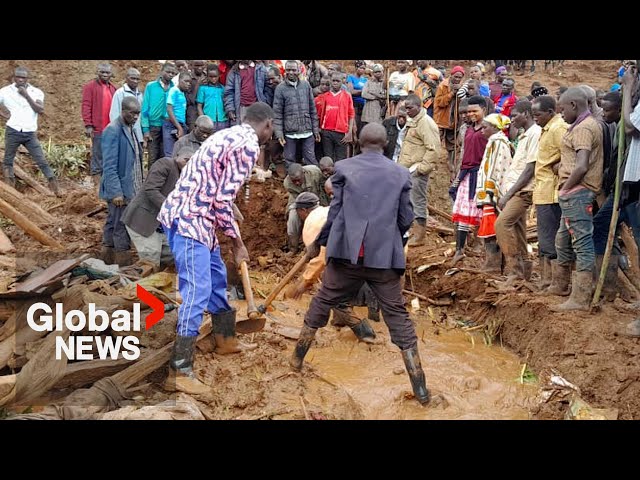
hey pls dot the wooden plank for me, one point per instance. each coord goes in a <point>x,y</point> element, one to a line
<point>139,370</point>
<point>6,246</point>
<point>49,274</point>
<point>79,374</point>
<point>22,203</point>
<point>32,182</point>
<point>445,230</point>
<point>27,225</point>
<point>436,211</point>
<point>7,388</point>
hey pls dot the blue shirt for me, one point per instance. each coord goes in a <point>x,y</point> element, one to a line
<point>210,96</point>
<point>178,100</point>
<point>358,84</point>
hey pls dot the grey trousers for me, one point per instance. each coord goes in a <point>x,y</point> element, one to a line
<point>153,248</point>
<point>419,186</point>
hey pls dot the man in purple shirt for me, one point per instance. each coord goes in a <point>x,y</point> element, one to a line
<point>200,204</point>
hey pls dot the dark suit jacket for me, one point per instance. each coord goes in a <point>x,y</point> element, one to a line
<point>140,215</point>
<point>118,161</point>
<point>370,206</point>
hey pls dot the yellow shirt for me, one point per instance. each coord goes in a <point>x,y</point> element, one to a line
<point>545,191</point>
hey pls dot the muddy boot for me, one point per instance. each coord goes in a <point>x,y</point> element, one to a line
<point>8,176</point>
<point>418,237</point>
<point>181,376</point>
<point>107,255</point>
<point>632,329</point>
<point>581,293</point>
<point>545,273</point>
<point>560,275</point>
<point>363,331</point>
<point>411,359</point>
<point>307,334</point>
<point>610,287</point>
<point>373,314</point>
<point>54,186</point>
<point>514,268</point>
<point>294,243</point>
<point>224,333</point>
<point>527,268</point>
<point>122,258</point>
<point>493,262</point>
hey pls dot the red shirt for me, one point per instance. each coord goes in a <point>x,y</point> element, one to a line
<point>107,96</point>
<point>335,111</point>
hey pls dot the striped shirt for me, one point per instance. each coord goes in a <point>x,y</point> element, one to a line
<point>201,201</point>
<point>632,168</point>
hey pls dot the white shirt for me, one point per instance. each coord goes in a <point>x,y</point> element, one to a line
<point>23,117</point>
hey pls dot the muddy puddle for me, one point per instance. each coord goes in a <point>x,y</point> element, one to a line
<point>350,379</point>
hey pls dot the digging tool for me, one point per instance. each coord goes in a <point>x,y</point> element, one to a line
<point>256,320</point>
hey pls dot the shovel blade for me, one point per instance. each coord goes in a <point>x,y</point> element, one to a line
<point>250,325</point>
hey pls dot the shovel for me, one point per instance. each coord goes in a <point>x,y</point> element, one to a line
<point>256,320</point>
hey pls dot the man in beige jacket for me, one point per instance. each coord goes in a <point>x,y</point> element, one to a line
<point>420,151</point>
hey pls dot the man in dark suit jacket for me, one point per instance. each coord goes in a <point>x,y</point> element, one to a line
<point>121,179</point>
<point>140,216</point>
<point>363,239</point>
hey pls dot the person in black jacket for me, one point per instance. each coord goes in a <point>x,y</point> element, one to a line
<point>395,127</point>
<point>140,216</point>
<point>296,117</point>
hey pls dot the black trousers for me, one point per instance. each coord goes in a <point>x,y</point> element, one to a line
<point>341,282</point>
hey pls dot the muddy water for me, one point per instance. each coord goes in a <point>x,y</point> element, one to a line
<point>467,380</point>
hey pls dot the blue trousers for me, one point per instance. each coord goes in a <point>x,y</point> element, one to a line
<point>203,281</point>
<point>575,235</point>
<point>168,140</point>
<point>602,219</point>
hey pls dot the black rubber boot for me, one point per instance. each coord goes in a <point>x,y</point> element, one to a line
<point>411,359</point>
<point>307,334</point>
<point>363,331</point>
<point>181,376</point>
<point>373,314</point>
<point>182,356</point>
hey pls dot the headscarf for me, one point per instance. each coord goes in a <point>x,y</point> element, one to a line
<point>457,69</point>
<point>360,63</point>
<point>480,65</point>
<point>499,121</point>
<point>501,69</point>
<point>539,91</point>
<point>377,67</point>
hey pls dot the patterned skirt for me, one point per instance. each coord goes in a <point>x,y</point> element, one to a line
<point>465,211</point>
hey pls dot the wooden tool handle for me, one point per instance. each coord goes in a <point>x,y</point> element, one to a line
<point>252,311</point>
<point>283,283</point>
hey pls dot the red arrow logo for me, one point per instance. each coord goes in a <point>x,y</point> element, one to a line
<point>156,305</point>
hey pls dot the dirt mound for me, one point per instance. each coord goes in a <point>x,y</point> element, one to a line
<point>62,82</point>
<point>585,349</point>
<point>81,202</point>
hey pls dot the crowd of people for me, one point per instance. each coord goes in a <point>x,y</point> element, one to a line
<point>206,127</point>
